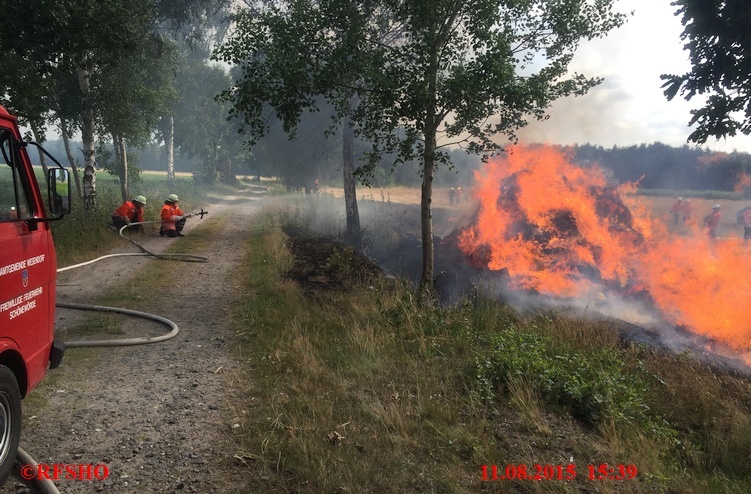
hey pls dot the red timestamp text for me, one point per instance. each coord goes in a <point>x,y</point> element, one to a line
<point>557,472</point>
<point>531,472</point>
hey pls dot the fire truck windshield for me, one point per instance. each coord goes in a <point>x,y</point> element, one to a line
<point>14,200</point>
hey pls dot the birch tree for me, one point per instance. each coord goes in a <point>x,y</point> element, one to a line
<point>469,71</point>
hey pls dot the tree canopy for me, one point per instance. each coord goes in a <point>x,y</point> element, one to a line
<point>105,67</point>
<point>451,73</point>
<point>718,40</point>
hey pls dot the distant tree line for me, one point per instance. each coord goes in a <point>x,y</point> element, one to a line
<point>299,162</point>
<point>659,166</point>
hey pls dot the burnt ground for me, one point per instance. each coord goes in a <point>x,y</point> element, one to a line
<point>325,264</point>
<point>159,416</point>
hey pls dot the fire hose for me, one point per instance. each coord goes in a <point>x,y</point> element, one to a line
<point>145,252</point>
<point>45,484</point>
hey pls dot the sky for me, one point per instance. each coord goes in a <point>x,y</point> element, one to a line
<point>629,107</point>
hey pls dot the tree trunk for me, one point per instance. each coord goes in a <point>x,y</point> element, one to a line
<point>40,138</point>
<point>169,146</point>
<point>87,135</point>
<point>69,153</point>
<point>426,213</point>
<point>118,143</point>
<point>124,157</point>
<point>350,186</point>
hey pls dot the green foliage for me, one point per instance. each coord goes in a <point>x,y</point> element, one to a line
<point>593,387</point>
<point>406,73</point>
<point>202,131</point>
<point>104,67</point>
<point>716,36</point>
<point>106,160</point>
<point>137,90</point>
<point>413,66</point>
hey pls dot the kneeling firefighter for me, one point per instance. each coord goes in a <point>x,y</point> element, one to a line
<point>130,212</point>
<point>173,219</point>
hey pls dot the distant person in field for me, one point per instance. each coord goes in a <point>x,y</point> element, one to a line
<point>746,224</point>
<point>130,212</point>
<point>712,220</point>
<point>677,210</point>
<point>687,210</point>
<point>452,195</point>
<point>173,219</point>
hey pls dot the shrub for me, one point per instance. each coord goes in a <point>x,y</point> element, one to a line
<point>592,387</point>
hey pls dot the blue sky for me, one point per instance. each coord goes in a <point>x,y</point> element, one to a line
<point>629,107</point>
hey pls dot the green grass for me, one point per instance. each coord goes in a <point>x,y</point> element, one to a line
<point>364,390</point>
<point>699,194</point>
<point>83,235</point>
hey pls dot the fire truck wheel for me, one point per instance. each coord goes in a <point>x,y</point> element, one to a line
<point>10,421</point>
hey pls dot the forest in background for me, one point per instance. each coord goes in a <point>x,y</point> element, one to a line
<point>653,166</point>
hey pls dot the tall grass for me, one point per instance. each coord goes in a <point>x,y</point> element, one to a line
<point>364,390</point>
<point>82,234</point>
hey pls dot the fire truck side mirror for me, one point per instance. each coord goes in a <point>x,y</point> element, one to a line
<point>58,184</point>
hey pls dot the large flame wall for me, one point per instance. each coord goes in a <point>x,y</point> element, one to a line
<point>696,282</point>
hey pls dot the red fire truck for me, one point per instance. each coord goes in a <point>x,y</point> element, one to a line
<point>28,271</point>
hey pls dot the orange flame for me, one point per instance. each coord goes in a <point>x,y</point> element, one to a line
<point>560,230</point>
<point>712,158</point>
<point>744,182</point>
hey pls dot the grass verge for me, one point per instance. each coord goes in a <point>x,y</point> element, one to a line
<point>351,386</point>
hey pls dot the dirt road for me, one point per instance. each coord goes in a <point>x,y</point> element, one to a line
<point>158,416</point>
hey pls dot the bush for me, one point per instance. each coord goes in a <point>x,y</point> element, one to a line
<point>591,387</point>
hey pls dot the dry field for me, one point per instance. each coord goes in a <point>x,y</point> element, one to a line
<point>660,206</point>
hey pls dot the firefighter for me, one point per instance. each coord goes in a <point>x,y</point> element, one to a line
<point>712,220</point>
<point>687,211</point>
<point>747,224</point>
<point>677,210</point>
<point>130,212</point>
<point>173,219</point>
<point>452,195</point>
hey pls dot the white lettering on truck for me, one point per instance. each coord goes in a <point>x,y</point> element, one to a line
<point>16,302</point>
<point>35,260</point>
<point>16,266</point>
<point>12,268</point>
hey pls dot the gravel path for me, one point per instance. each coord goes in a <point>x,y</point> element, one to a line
<point>158,416</point>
